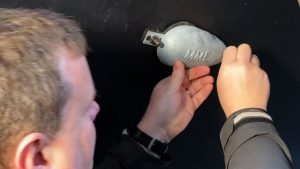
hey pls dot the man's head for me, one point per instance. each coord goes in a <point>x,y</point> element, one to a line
<point>46,92</point>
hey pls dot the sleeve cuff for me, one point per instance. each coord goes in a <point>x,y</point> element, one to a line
<point>237,117</point>
<point>261,124</point>
<point>131,155</point>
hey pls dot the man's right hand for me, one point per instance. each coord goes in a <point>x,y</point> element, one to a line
<point>241,82</point>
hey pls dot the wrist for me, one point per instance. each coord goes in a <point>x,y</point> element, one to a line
<point>231,111</point>
<point>247,112</point>
<point>154,131</point>
<point>150,144</point>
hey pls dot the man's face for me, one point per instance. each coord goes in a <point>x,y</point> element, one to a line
<point>74,144</point>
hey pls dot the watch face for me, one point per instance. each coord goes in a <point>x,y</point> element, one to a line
<point>158,147</point>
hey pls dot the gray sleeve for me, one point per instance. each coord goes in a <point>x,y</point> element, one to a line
<point>254,145</point>
<point>258,153</point>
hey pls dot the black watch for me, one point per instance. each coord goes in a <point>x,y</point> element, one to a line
<point>147,141</point>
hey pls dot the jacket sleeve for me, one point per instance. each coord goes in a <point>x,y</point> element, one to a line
<point>254,144</point>
<point>128,154</point>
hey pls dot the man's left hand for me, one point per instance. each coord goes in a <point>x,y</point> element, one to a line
<point>174,101</point>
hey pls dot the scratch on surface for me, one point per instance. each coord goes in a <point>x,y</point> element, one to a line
<point>299,2</point>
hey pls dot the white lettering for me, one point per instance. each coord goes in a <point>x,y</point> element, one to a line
<point>196,55</point>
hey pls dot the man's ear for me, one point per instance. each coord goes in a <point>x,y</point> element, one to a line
<point>30,152</point>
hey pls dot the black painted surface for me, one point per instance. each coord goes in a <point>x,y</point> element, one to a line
<point>125,70</point>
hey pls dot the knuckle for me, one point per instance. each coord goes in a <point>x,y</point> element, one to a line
<point>241,67</point>
<point>265,74</point>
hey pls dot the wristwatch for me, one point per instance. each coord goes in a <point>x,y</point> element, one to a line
<point>152,144</point>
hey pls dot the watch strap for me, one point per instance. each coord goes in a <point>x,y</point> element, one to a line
<point>152,144</point>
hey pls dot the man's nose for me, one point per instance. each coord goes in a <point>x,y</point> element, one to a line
<point>95,110</point>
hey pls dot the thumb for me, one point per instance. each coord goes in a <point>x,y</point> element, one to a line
<point>178,75</point>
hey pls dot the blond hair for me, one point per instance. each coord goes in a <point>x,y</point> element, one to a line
<point>32,92</point>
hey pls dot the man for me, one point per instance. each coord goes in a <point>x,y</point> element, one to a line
<point>47,105</point>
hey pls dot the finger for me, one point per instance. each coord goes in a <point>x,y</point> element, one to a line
<point>202,95</point>
<point>244,53</point>
<point>198,84</point>
<point>178,75</point>
<point>255,60</point>
<point>229,54</point>
<point>197,72</point>
<point>186,82</point>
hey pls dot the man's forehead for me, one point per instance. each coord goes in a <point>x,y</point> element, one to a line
<point>70,64</point>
